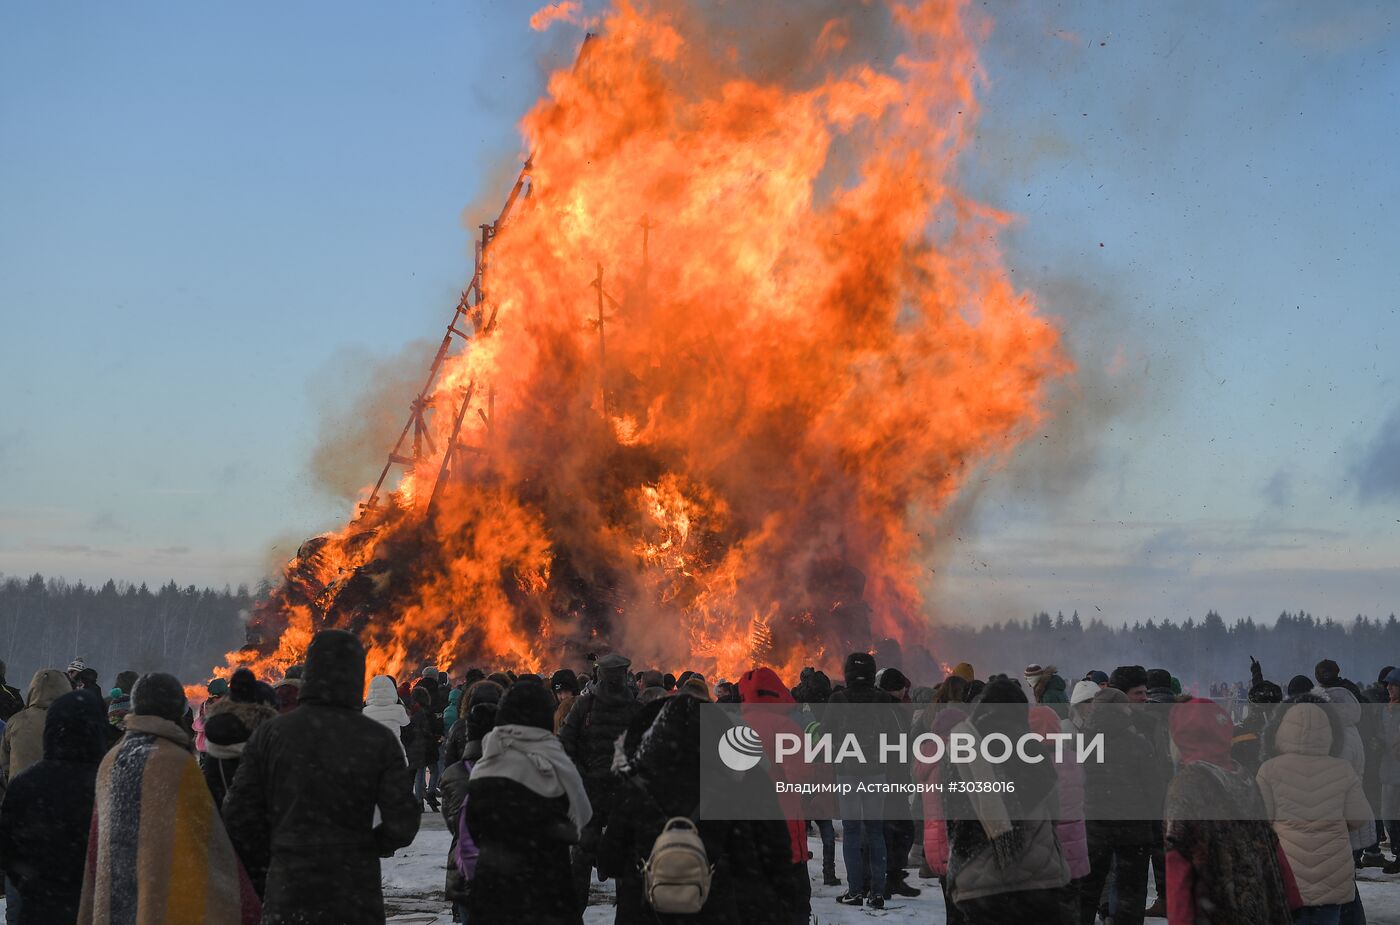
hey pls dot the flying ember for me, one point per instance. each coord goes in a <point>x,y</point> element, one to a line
<point>734,343</point>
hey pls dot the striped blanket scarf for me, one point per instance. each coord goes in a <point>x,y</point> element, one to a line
<point>158,854</point>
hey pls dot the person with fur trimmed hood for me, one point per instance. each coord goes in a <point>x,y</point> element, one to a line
<point>1224,862</point>
<point>1315,801</point>
<point>1004,861</point>
<point>1048,688</point>
<point>228,725</point>
<point>525,806</point>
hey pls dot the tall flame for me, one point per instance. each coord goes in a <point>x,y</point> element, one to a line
<point>744,336</point>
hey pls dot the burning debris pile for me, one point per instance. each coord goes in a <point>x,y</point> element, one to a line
<point>732,346</point>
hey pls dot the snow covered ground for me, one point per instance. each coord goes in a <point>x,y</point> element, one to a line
<point>413,883</point>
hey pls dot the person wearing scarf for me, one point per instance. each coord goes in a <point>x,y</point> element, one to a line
<point>1004,861</point>
<point>525,806</point>
<point>1224,862</point>
<point>762,686</point>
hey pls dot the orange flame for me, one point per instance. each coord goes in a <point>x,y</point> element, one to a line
<point>811,343</point>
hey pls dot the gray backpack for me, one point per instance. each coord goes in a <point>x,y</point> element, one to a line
<point>677,875</point>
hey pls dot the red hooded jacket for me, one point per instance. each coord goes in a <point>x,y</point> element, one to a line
<point>763,686</point>
<point>1202,731</point>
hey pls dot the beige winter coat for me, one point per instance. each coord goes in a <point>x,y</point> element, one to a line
<point>1314,801</point>
<point>23,744</point>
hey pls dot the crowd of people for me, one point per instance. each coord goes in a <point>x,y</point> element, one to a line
<point>275,802</point>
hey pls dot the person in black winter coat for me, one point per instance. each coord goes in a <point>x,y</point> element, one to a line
<point>421,739</point>
<point>11,700</point>
<point>660,781</point>
<point>228,725</point>
<point>597,718</point>
<point>47,813</point>
<point>525,806</point>
<point>862,814</point>
<point>301,811</point>
<point>1113,794</point>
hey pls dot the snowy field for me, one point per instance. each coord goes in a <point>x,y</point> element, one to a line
<point>413,891</point>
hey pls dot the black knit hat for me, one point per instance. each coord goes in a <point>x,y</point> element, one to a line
<point>564,680</point>
<point>480,721</point>
<point>1327,672</point>
<point>859,668</point>
<point>527,703</point>
<point>1127,677</point>
<point>1003,690</point>
<point>335,670</point>
<point>159,694</point>
<point>892,679</point>
<point>1159,677</point>
<point>1300,684</point>
<point>243,686</point>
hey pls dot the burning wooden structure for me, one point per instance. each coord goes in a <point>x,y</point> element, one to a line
<point>728,350</point>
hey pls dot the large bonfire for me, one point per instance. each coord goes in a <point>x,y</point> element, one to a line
<point>806,342</point>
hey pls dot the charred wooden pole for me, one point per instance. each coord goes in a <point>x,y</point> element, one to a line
<point>445,469</point>
<point>473,307</point>
<point>600,324</point>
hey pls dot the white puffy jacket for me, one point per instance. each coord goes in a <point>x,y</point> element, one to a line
<point>1315,801</point>
<point>384,708</point>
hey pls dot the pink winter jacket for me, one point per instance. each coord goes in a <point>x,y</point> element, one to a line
<point>935,829</point>
<point>1069,830</point>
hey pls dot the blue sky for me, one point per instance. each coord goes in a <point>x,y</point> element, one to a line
<point>217,224</point>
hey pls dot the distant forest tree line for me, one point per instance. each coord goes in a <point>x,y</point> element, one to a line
<point>46,623</point>
<point>1196,651</point>
<point>118,627</point>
